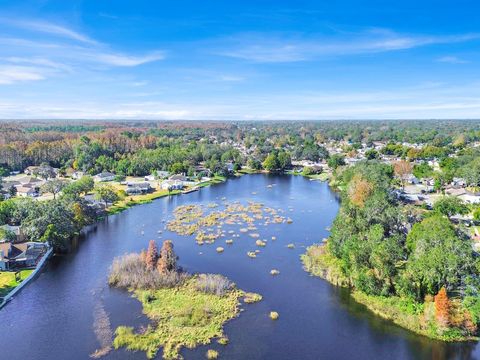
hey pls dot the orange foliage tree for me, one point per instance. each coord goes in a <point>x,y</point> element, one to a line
<point>442,307</point>
<point>168,260</point>
<point>359,190</point>
<point>152,255</point>
<point>402,169</point>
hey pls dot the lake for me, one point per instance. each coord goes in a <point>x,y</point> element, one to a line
<point>53,317</point>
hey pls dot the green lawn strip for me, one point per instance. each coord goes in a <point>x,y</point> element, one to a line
<point>8,282</point>
<point>181,317</point>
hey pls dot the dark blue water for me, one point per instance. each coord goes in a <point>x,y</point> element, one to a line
<point>52,318</point>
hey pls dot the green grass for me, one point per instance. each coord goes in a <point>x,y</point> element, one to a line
<point>245,171</point>
<point>321,177</point>
<point>181,317</point>
<point>8,282</point>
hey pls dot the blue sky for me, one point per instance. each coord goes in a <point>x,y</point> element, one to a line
<point>239,59</point>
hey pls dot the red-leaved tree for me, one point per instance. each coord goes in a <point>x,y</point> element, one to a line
<point>152,255</point>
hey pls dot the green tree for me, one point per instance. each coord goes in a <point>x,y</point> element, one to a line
<point>335,161</point>
<point>271,162</point>
<point>107,194</point>
<point>437,256</point>
<point>450,205</point>
<point>53,187</point>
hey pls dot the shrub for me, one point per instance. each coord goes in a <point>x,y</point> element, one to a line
<point>130,272</point>
<point>250,298</point>
<point>152,255</point>
<point>274,315</point>
<point>214,284</point>
<point>212,354</point>
<point>168,260</point>
<point>442,307</point>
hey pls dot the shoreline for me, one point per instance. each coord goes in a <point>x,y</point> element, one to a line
<point>7,298</point>
<point>326,267</point>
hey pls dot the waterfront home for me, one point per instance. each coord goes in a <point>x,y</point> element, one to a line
<point>21,255</point>
<point>104,176</point>
<point>138,188</point>
<point>172,185</point>
<point>230,167</point>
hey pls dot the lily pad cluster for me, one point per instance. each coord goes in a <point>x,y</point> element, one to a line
<point>207,223</point>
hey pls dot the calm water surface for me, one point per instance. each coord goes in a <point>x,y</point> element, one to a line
<point>52,318</point>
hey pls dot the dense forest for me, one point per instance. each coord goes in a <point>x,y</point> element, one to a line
<point>135,148</point>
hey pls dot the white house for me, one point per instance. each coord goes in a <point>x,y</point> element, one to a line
<point>25,191</point>
<point>104,176</point>
<point>137,187</point>
<point>77,175</point>
<point>172,185</point>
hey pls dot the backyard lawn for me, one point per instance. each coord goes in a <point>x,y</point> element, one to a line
<point>8,282</point>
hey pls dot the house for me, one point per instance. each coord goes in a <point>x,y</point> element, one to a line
<point>458,182</point>
<point>21,255</point>
<point>178,177</point>
<point>470,198</point>
<point>138,187</point>
<point>162,174</point>
<point>104,176</point>
<point>26,191</point>
<point>31,170</point>
<point>172,185</point>
<point>412,179</point>
<point>77,175</point>
<point>30,181</point>
<point>455,192</point>
<point>230,167</point>
<point>17,230</point>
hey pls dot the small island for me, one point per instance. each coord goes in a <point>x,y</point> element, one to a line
<point>185,310</point>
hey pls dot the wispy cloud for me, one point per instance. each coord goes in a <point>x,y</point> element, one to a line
<point>231,78</point>
<point>124,60</point>
<point>48,28</point>
<point>452,60</point>
<point>14,74</point>
<point>58,49</point>
<point>265,48</point>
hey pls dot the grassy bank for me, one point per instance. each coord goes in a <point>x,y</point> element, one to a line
<point>321,177</point>
<point>133,200</point>
<point>182,316</point>
<point>8,281</point>
<point>405,312</point>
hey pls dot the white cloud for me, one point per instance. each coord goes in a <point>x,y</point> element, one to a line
<point>451,60</point>
<point>14,74</point>
<point>265,48</point>
<point>123,60</point>
<point>231,78</point>
<point>48,28</point>
<point>49,56</point>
